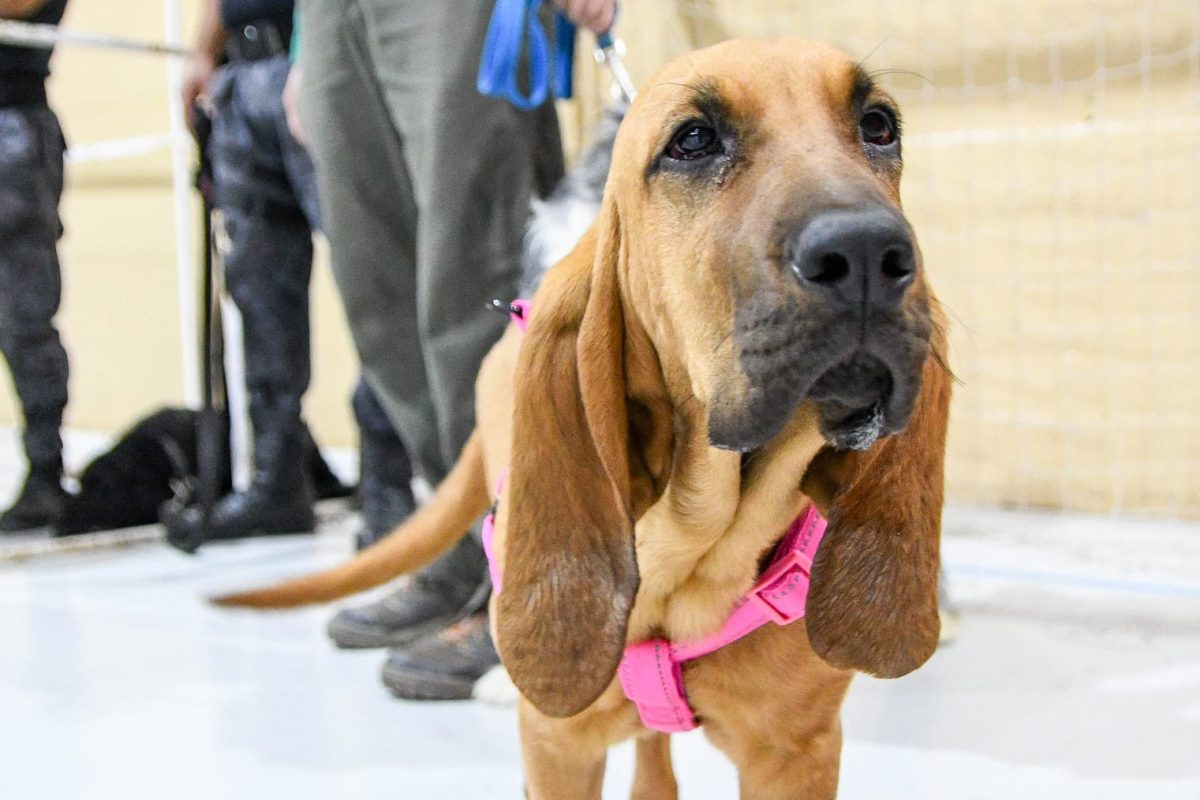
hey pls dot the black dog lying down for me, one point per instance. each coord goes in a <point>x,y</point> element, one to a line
<point>148,465</point>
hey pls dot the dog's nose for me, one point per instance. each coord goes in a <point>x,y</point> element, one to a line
<point>855,257</point>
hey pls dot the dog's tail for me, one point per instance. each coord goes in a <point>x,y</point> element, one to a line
<point>459,500</point>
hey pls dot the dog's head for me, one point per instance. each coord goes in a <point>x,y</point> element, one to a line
<point>778,253</point>
<point>752,253</point>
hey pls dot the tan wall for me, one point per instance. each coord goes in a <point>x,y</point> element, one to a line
<point>1053,174</point>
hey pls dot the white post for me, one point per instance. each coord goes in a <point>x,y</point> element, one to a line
<point>237,399</point>
<point>185,241</point>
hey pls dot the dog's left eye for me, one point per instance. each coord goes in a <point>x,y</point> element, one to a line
<point>692,142</point>
<point>878,127</point>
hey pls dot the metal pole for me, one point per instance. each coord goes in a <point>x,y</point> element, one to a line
<point>33,34</point>
<point>185,244</point>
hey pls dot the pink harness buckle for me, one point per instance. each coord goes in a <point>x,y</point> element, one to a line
<point>782,591</point>
<point>653,680</point>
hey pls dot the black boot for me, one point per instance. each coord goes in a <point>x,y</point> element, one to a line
<point>279,500</point>
<point>325,482</point>
<point>385,488</point>
<point>385,470</point>
<point>41,502</point>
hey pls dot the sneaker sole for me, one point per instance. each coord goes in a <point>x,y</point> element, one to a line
<point>416,685</point>
<point>352,637</point>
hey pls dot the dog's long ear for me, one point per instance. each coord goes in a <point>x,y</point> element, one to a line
<point>872,605</point>
<point>570,569</point>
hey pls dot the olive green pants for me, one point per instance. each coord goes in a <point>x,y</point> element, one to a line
<point>425,188</point>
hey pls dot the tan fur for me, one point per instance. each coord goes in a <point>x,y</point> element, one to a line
<point>704,519</point>
<point>620,522</point>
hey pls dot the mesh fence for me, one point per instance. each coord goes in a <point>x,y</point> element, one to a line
<point>1053,176</point>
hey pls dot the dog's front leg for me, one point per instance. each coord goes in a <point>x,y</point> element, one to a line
<point>779,769</point>
<point>654,777</point>
<point>564,759</point>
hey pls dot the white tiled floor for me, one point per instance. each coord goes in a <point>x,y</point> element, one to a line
<point>1076,675</point>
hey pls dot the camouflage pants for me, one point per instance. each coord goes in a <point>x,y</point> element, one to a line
<point>31,182</point>
<point>267,192</point>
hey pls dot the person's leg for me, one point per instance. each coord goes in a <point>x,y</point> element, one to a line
<point>269,263</point>
<point>385,471</point>
<point>369,216</point>
<point>470,159</point>
<point>31,174</point>
<point>301,176</point>
<point>267,270</point>
<point>471,162</point>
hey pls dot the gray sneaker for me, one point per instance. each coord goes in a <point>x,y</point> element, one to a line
<point>420,606</point>
<point>442,666</point>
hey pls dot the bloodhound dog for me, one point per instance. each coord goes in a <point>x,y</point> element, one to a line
<point>746,330</point>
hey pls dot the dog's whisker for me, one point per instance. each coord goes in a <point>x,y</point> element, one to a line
<point>936,353</point>
<point>881,72</point>
<point>882,42</point>
<point>704,80</point>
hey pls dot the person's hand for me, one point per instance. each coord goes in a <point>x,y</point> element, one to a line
<point>196,77</point>
<point>595,15</point>
<point>291,104</point>
<point>20,9</point>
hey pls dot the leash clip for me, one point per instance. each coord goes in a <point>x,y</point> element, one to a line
<point>517,311</point>
<point>611,51</point>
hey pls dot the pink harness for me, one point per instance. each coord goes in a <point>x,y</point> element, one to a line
<point>651,672</point>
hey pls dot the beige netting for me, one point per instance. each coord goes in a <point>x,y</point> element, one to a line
<point>1053,175</point>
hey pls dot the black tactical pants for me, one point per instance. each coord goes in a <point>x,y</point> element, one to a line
<point>267,192</point>
<point>31,182</point>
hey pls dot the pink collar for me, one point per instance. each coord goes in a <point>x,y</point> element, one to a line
<point>651,672</point>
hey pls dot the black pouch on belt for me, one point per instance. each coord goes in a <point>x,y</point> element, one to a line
<point>254,41</point>
<point>22,90</point>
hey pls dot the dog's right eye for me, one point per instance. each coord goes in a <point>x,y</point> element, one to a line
<point>879,128</point>
<point>694,141</point>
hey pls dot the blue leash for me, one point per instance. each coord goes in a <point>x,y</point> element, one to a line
<point>516,31</point>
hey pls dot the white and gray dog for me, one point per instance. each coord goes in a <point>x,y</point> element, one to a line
<point>559,221</point>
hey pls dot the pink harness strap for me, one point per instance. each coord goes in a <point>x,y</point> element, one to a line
<point>518,311</point>
<point>489,534</point>
<point>651,672</point>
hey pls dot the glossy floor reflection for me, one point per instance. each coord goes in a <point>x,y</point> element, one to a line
<point>1076,674</point>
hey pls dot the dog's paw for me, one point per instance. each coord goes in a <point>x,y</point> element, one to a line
<point>495,688</point>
